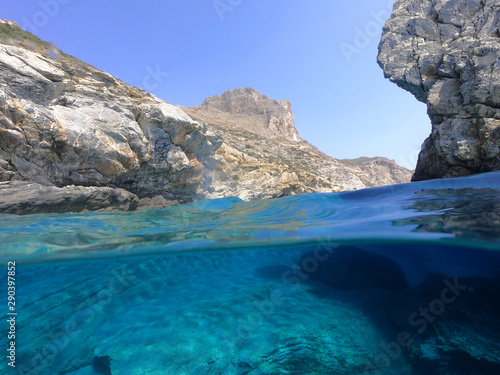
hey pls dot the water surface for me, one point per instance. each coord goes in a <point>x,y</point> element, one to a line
<point>394,280</point>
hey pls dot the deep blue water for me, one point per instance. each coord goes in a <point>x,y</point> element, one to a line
<point>402,279</point>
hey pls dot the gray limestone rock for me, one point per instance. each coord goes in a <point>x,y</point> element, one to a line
<point>20,197</point>
<point>447,53</point>
<point>63,122</point>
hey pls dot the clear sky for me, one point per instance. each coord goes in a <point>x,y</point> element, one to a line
<point>320,55</point>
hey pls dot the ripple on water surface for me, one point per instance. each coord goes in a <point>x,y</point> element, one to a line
<point>393,280</point>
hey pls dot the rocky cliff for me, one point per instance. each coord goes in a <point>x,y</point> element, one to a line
<point>246,108</point>
<point>64,122</point>
<point>83,139</point>
<point>263,155</point>
<point>447,54</point>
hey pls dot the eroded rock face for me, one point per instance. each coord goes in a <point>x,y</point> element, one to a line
<point>447,53</point>
<point>63,122</point>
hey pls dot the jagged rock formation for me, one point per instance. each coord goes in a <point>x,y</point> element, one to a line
<point>246,108</point>
<point>65,123</point>
<point>447,53</point>
<point>263,156</point>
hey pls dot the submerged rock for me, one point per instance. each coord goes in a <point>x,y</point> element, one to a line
<point>350,267</point>
<point>102,365</point>
<point>446,325</point>
<point>453,325</point>
<point>207,314</point>
<point>447,54</point>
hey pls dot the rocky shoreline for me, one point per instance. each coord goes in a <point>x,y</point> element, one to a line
<point>21,197</point>
<point>74,138</point>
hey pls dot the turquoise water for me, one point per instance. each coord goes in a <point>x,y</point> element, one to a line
<point>394,280</point>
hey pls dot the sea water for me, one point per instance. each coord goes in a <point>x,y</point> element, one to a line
<point>401,279</point>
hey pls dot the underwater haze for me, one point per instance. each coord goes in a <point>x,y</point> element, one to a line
<point>401,279</point>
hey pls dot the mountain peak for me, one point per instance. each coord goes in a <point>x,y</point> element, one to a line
<point>246,100</point>
<point>248,109</point>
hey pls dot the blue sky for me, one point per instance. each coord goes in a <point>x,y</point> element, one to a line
<point>320,55</point>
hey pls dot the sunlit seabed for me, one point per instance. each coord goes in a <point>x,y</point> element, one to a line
<point>394,280</point>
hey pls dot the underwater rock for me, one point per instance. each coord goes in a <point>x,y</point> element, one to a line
<point>350,267</point>
<point>453,325</point>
